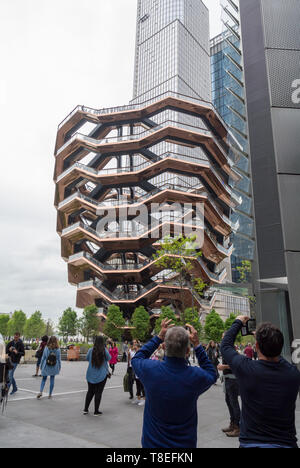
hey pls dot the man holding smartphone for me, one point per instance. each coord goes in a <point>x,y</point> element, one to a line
<point>269,388</point>
<point>172,387</point>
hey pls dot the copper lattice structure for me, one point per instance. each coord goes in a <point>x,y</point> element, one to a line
<point>172,150</point>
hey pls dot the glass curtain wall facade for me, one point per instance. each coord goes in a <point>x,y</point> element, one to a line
<point>172,49</point>
<point>228,97</point>
<point>172,56</point>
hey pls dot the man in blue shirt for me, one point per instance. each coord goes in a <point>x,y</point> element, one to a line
<point>172,388</point>
<point>269,388</point>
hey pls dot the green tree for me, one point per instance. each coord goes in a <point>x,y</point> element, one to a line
<point>17,323</point>
<point>199,286</point>
<point>214,327</point>
<point>35,326</point>
<point>166,312</point>
<point>50,328</point>
<point>4,319</point>
<point>191,316</point>
<point>244,270</point>
<point>89,324</point>
<point>248,339</point>
<point>114,321</point>
<point>68,324</point>
<point>228,324</point>
<point>141,322</point>
<point>176,254</point>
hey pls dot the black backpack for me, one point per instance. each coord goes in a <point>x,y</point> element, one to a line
<point>51,360</point>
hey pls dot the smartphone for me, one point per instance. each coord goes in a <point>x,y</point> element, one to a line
<point>250,328</point>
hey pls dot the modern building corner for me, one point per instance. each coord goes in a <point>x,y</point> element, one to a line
<point>271,49</point>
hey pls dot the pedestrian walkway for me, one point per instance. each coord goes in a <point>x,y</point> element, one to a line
<point>59,422</point>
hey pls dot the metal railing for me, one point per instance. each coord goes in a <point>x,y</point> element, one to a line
<point>124,202</point>
<point>225,250</point>
<point>130,107</point>
<point>217,277</point>
<point>197,223</point>
<point>121,294</point>
<point>137,136</point>
<point>108,267</point>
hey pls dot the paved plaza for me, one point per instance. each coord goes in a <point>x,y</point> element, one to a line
<point>59,422</point>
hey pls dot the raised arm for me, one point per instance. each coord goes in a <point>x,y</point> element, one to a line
<point>229,353</point>
<point>207,371</point>
<point>138,361</point>
<point>147,350</point>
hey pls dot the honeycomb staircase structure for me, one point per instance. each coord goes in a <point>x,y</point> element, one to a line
<point>164,159</point>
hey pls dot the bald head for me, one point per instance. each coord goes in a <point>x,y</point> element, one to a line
<point>177,342</point>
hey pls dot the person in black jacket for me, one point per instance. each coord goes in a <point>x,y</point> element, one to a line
<point>15,350</point>
<point>5,367</point>
<point>213,355</point>
<point>269,388</point>
<point>232,391</point>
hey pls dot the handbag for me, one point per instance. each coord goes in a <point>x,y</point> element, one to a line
<point>39,354</point>
<point>126,385</point>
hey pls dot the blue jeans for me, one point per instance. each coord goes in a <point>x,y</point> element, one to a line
<point>12,378</point>
<point>52,381</point>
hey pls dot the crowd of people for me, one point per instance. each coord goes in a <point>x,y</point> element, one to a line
<point>169,386</point>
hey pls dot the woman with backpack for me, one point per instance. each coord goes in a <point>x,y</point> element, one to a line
<point>39,354</point>
<point>97,374</point>
<point>50,365</point>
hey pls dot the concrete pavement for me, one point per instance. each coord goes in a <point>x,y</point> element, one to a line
<point>60,423</point>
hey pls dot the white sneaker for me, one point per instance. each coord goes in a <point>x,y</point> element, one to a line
<point>141,403</point>
<point>135,402</point>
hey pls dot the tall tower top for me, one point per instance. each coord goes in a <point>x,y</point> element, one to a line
<point>172,49</point>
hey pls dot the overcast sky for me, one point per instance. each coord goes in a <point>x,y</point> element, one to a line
<point>54,55</point>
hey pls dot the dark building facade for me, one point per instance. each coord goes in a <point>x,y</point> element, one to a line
<point>271,47</point>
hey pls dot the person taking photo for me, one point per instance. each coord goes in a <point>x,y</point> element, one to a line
<point>269,388</point>
<point>172,387</point>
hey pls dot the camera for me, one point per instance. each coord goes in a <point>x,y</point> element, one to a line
<point>249,328</point>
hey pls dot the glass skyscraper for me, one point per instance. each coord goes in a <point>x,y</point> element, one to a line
<point>172,49</point>
<point>228,97</point>
<point>172,56</point>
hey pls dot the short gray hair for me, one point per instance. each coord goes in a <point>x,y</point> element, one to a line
<point>177,342</point>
